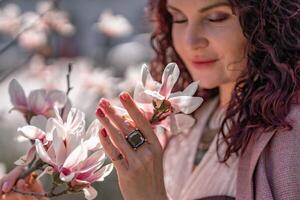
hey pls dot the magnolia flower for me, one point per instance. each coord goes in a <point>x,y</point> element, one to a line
<point>54,19</point>
<point>71,152</point>
<point>33,39</point>
<point>39,102</point>
<point>10,19</point>
<point>114,25</point>
<point>166,109</point>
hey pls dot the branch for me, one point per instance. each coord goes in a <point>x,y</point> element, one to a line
<point>69,88</point>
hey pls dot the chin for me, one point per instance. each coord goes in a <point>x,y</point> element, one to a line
<point>208,85</point>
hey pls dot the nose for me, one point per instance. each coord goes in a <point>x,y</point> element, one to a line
<point>195,37</point>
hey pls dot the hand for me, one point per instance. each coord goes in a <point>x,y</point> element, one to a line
<point>140,172</point>
<point>30,184</point>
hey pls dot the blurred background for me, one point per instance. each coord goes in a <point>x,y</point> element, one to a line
<point>106,41</point>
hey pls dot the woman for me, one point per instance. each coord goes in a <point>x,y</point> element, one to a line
<point>245,56</point>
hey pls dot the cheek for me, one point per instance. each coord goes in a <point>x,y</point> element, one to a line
<point>177,38</point>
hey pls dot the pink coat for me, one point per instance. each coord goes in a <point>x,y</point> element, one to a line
<point>269,169</point>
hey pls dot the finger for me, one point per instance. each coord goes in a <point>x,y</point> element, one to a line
<point>112,152</point>
<point>22,185</point>
<point>137,116</point>
<point>114,134</point>
<point>8,181</point>
<point>121,123</point>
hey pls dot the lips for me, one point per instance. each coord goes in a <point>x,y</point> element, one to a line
<point>203,62</point>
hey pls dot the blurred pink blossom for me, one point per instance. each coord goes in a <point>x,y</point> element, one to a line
<point>113,25</point>
<point>38,102</point>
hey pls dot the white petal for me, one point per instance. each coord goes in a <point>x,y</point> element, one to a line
<point>90,193</point>
<point>42,153</point>
<point>37,101</point>
<point>155,95</point>
<point>76,120</point>
<point>17,94</point>
<point>59,148</point>
<point>93,129</point>
<point>147,80</point>
<point>32,132</point>
<point>139,95</point>
<point>67,178</point>
<point>169,78</point>
<point>185,104</point>
<point>78,155</point>
<point>190,90</point>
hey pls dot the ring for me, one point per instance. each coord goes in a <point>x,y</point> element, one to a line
<point>119,157</point>
<point>135,139</point>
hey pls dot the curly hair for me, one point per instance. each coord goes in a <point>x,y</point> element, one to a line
<point>263,93</point>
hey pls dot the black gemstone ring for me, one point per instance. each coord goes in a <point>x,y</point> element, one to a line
<point>135,139</point>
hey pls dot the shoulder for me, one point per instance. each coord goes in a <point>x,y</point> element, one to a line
<point>278,168</point>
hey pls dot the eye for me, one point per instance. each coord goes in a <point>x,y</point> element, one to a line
<point>179,21</point>
<point>218,17</point>
<point>178,18</point>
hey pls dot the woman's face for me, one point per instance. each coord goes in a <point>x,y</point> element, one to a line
<point>209,39</point>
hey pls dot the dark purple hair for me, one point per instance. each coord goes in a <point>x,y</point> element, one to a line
<point>263,93</point>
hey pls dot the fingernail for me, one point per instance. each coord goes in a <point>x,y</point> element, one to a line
<point>103,132</point>
<point>100,113</point>
<point>5,186</point>
<point>124,96</point>
<point>104,103</point>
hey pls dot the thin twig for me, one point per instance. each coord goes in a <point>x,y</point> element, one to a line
<point>69,88</point>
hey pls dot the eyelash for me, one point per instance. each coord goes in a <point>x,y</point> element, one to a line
<point>221,19</point>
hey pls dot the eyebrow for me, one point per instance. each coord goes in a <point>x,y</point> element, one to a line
<point>205,8</point>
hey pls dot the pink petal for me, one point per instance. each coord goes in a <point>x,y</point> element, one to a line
<point>27,158</point>
<point>184,122</point>
<point>32,132</point>
<point>57,98</point>
<point>90,193</point>
<point>169,78</point>
<point>17,94</point>
<point>95,160</point>
<point>37,101</point>
<point>101,174</point>
<point>185,104</point>
<point>39,121</point>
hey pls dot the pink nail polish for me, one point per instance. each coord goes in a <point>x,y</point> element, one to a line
<point>104,103</point>
<point>100,113</point>
<point>103,132</point>
<point>124,96</point>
